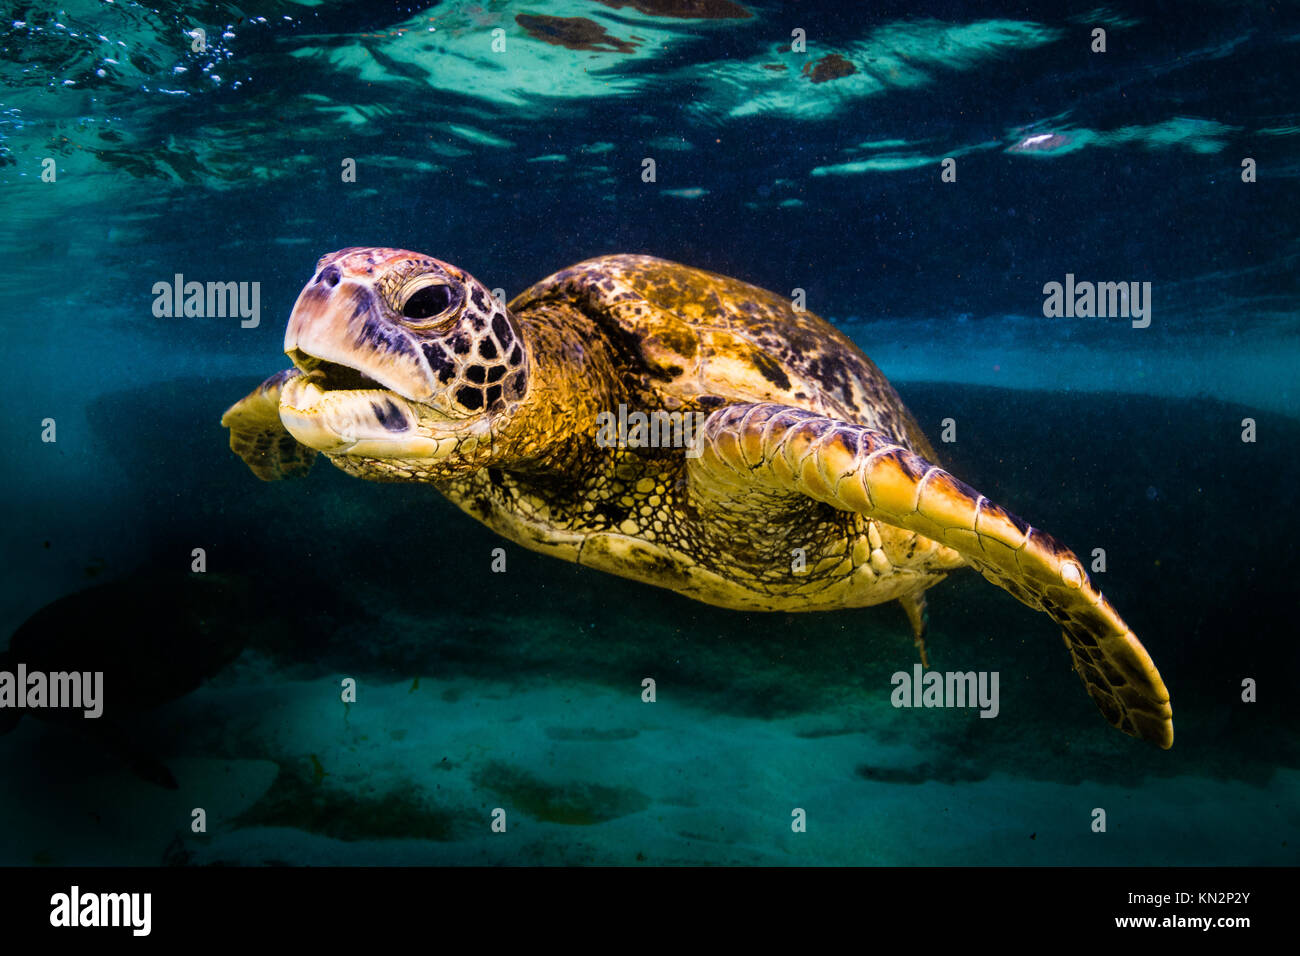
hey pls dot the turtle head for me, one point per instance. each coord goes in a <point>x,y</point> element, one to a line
<point>405,359</point>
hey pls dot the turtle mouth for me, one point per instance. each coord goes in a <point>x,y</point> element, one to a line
<point>339,410</point>
<point>333,377</point>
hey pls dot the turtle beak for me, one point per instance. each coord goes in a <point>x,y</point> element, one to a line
<point>338,328</point>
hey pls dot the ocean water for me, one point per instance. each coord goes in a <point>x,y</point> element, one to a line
<point>799,147</point>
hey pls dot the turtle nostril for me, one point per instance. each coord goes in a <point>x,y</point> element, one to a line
<point>330,275</point>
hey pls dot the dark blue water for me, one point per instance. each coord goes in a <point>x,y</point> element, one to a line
<point>1170,159</point>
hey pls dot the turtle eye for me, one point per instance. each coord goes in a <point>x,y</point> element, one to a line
<point>430,301</point>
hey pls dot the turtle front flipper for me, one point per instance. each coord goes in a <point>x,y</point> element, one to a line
<point>851,467</point>
<point>259,437</point>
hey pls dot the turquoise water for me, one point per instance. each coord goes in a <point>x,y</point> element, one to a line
<point>522,691</point>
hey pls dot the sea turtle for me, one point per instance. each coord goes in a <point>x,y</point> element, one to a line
<point>807,485</point>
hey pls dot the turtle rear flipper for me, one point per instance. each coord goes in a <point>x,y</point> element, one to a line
<point>259,437</point>
<point>784,450</point>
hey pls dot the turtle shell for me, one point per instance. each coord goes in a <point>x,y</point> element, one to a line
<point>700,338</point>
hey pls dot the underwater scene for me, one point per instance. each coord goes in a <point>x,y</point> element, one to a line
<point>649,432</point>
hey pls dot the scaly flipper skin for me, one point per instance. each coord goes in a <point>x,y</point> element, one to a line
<point>858,469</point>
<point>258,436</point>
